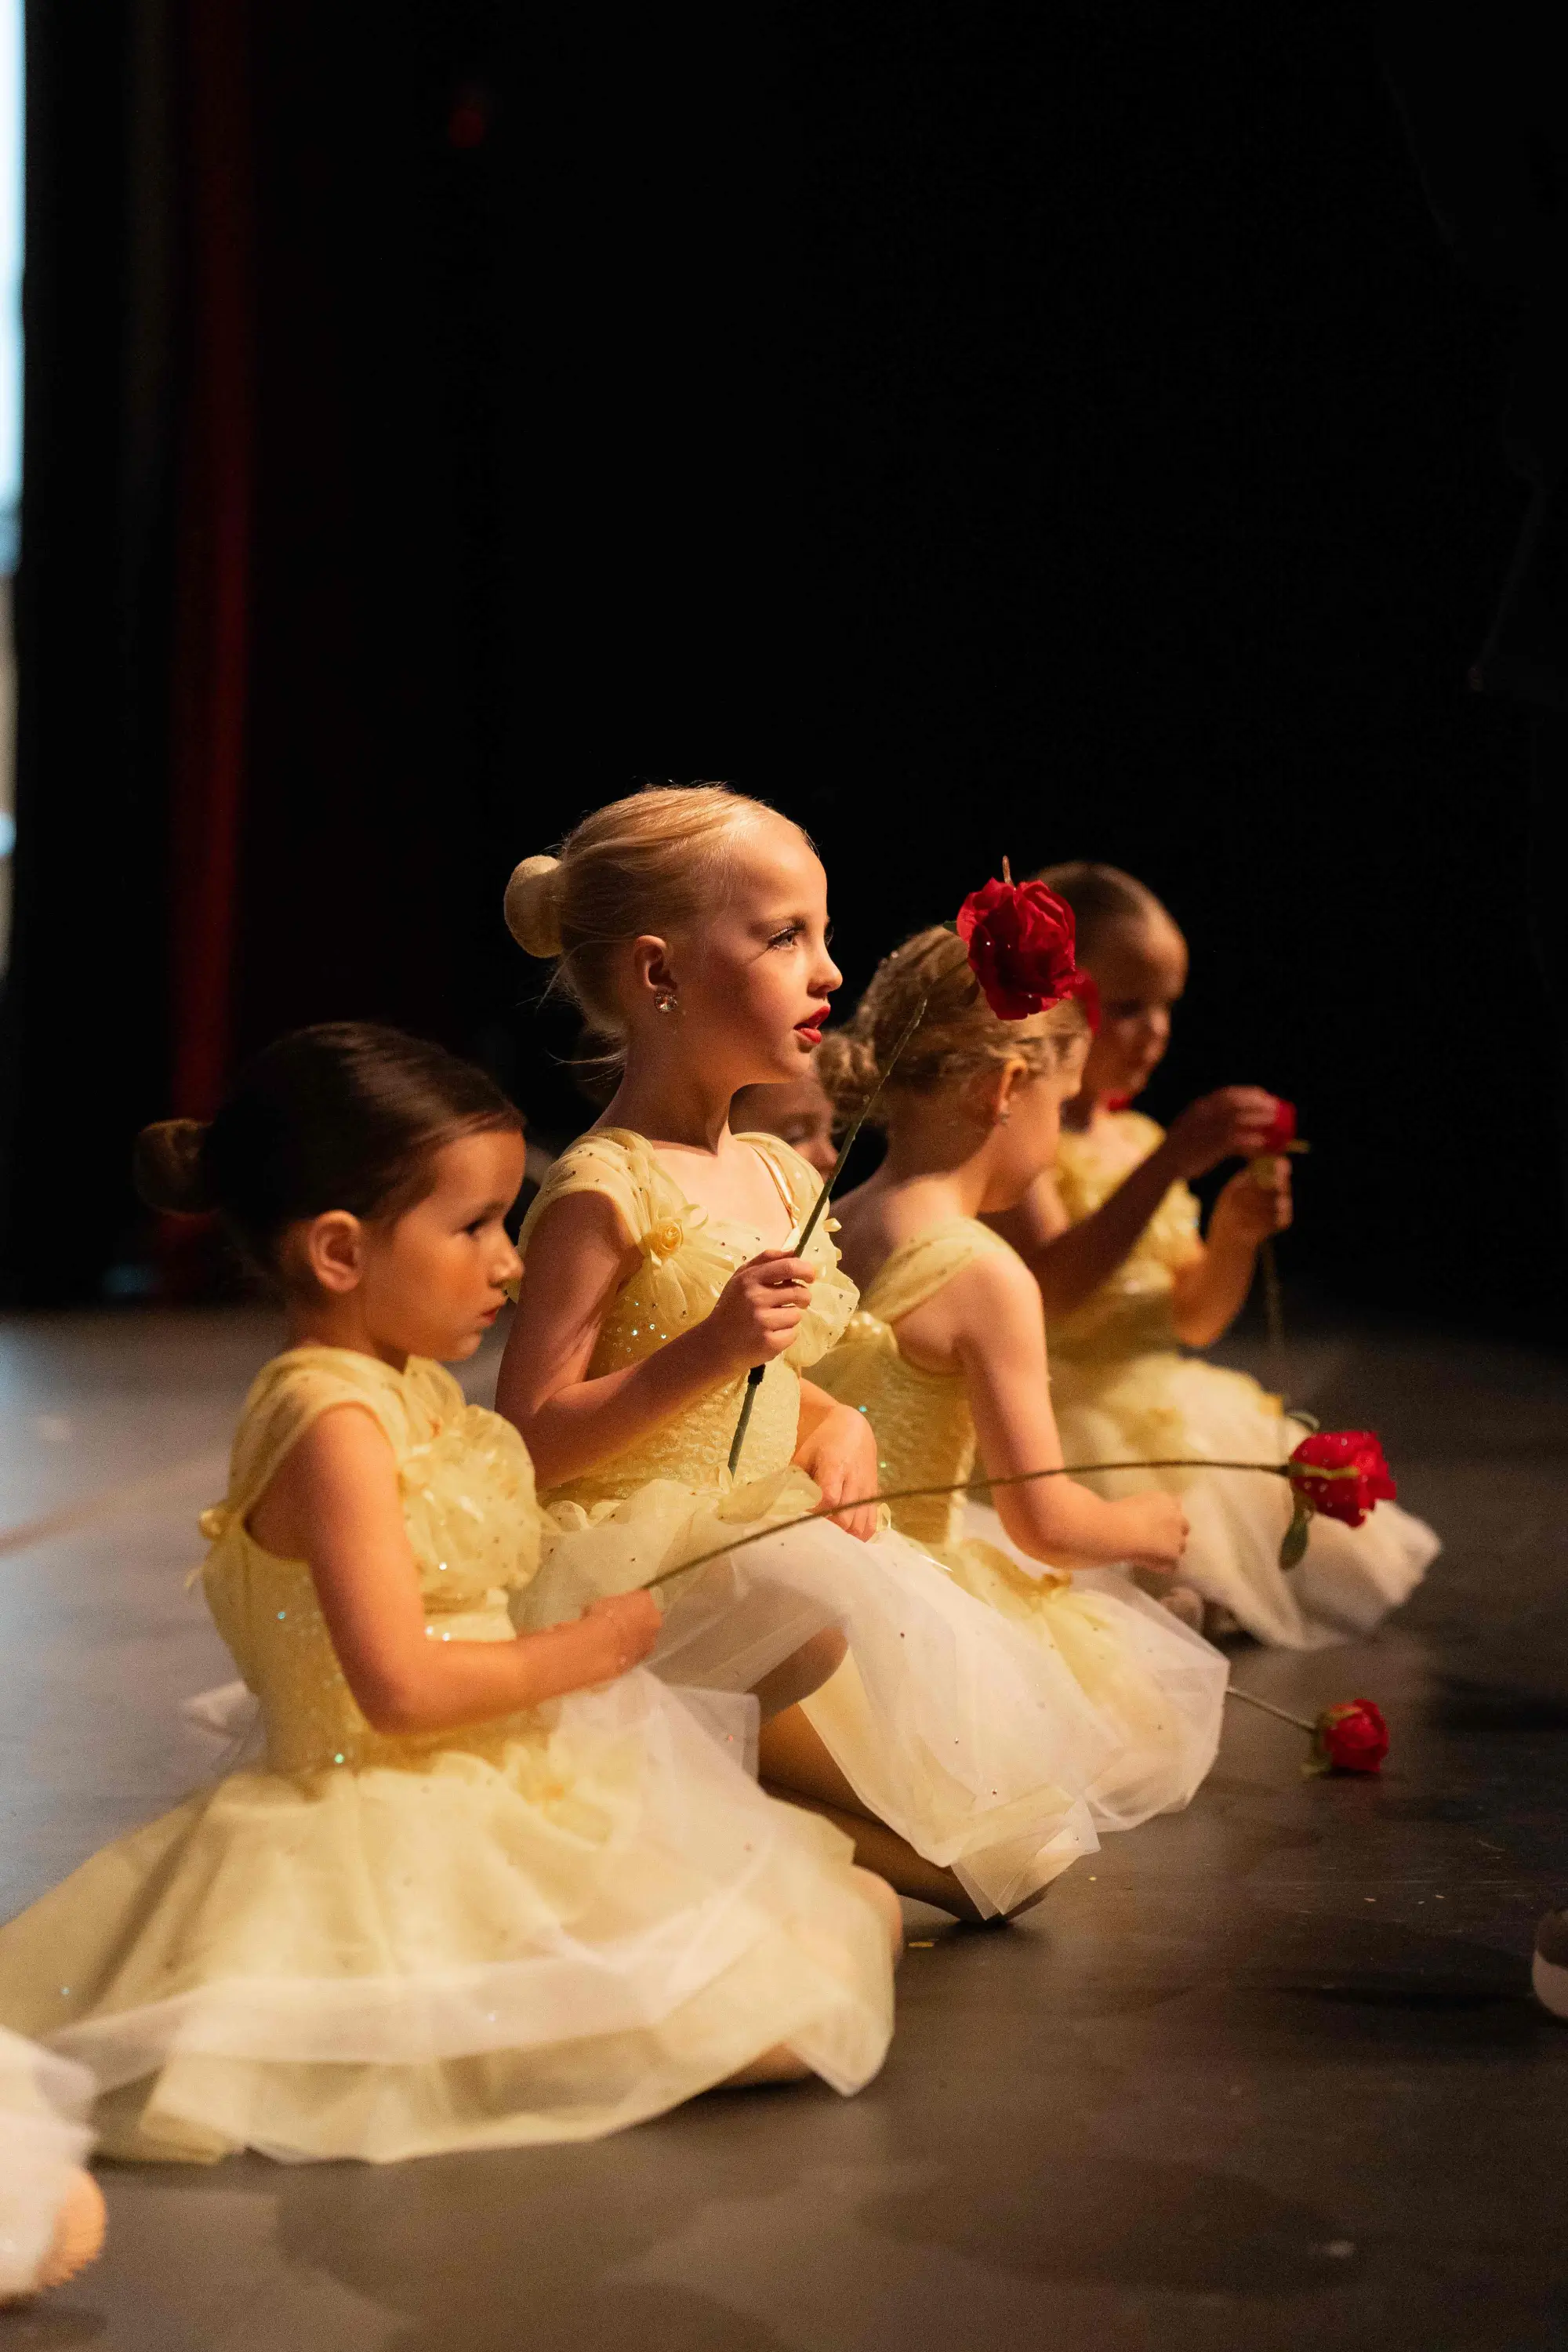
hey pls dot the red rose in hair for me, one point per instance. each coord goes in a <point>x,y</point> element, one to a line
<point>1020,937</point>
<point>1349,1738</point>
<point>1358,1477</point>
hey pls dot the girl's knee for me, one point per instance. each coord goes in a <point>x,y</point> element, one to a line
<point>824,1654</point>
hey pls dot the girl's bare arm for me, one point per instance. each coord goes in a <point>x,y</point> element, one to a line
<point>335,1502</point>
<point>1070,1262</point>
<point>1210,1292</point>
<point>988,1320</point>
<point>578,1259</point>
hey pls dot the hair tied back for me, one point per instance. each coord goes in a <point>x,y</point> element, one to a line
<point>533,906</point>
<point>168,1167</point>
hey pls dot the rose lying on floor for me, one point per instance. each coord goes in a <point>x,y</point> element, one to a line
<point>1351,1736</point>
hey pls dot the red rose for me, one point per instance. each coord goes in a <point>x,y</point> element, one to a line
<point>1020,938</point>
<point>1349,1738</point>
<point>1281,1134</point>
<point>1362,1475</point>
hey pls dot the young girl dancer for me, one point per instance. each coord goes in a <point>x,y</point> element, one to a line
<point>1112,1237</point>
<point>487,1889</point>
<point>692,927</point>
<point>949,1348</point>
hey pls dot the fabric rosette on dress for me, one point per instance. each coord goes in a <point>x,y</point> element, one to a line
<point>1123,1389</point>
<point>1140,1696</point>
<point>540,1929</point>
<point>946,1723</point>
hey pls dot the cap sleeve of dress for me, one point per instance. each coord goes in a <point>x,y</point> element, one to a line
<point>919,1268</point>
<point>610,1162</point>
<point>286,1398</point>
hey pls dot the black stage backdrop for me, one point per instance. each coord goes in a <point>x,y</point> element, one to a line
<point>1049,432</point>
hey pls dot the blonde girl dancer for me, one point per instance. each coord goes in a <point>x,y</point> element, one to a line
<point>485,1889</point>
<point>947,1359</point>
<point>1111,1235</point>
<point>691,925</point>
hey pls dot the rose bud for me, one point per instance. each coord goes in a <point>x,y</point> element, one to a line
<point>1021,941</point>
<point>1356,1478</point>
<point>1349,1738</point>
<point>1281,1136</point>
<point>1281,1133</point>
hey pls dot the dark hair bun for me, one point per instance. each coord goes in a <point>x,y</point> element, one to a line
<point>168,1167</point>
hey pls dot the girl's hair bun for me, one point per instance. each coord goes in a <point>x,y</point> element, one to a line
<point>168,1167</point>
<point>534,905</point>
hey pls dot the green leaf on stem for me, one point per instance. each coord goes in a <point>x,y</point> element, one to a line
<point>1296,1534</point>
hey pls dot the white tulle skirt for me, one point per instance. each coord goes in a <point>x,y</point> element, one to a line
<point>1162,1405</point>
<point>951,1725</point>
<point>1156,1688</point>
<point>44,2137</point>
<point>547,1929</point>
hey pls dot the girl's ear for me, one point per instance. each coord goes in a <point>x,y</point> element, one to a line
<point>332,1249</point>
<point>988,1094</point>
<point>651,974</point>
<point>1012,1075</point>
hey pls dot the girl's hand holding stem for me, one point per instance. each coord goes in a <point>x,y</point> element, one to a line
<point>1231,1123</point>
<point>757,1313</point>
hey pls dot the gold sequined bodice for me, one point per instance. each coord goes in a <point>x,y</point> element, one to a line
<point>1129,1314</point>
<point>468,1506</point>
<point>686,1258</point>
<point>925,1431</point>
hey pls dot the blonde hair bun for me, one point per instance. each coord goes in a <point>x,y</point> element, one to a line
<point>534,905</point>
<point>166,1167</point>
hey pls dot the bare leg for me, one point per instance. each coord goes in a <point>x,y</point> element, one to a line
<point>797,1766</point>
<point>803,1672</point>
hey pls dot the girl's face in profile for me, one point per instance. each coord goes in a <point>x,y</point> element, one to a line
<point>431,1281</point>
<point>752,979</point>
<point>1139,963</point>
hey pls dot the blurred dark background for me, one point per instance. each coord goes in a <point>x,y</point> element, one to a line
<point>1049,432</point>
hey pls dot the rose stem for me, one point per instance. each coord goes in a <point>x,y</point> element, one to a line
<point>754,1377</point>
<point>1250,1698</point>
<point>968,1485</point>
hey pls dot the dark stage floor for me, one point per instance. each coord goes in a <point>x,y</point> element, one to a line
<point>1266,2075</point>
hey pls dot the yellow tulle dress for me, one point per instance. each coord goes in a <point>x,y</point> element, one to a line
<point>947,1723</point>
<point>1123,1391</point>
<point>540,1929</point>
<point>1147,1694</point>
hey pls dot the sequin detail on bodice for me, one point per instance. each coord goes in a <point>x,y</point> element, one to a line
<point>468,1506</point>
<point>925,1431</point>
<point>686,1258</point>
<point>1129,1314</point>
